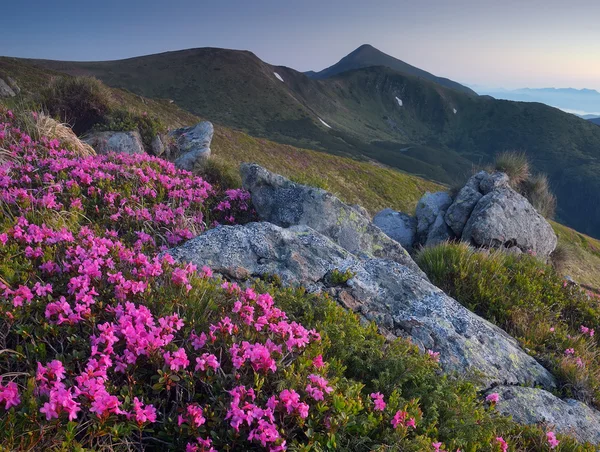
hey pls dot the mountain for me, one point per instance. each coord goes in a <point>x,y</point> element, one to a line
<point>582,102</point>
<point>367,56</point>
<point>594,120</point>
<point>374,113</point>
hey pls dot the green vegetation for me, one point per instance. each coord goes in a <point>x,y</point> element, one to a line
<point>535,187</point>
<point>529,300</point>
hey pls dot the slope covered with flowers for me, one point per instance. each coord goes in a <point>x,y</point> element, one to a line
<point>105,344</point>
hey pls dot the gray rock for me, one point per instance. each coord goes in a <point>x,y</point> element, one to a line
<point>193,144</point>
<point>505,219</point>
<point>6,90</point>
<point>536,406</point>
<point>360,209</point>
<point>439,231</point>
<point>13,84</point>
<point>157,146</point>
<point>397,298</point>
<point>493,181</point>
<point>458,213</point>
<point>285,203</point>
<point>397,225</point>
<point>119,142</point>
<point>428,209</point>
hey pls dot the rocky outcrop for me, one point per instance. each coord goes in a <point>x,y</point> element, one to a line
<point>486,213</point>
<point>398,226</point>
<point>399,299</point>
<point>119,142</point>
<point>193,144</point>
<point>285,203</point>
<point>6,90</point>
<point>536,406</point>
<point>505,219</point>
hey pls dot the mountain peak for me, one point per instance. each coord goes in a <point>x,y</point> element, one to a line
<point>367,56</point>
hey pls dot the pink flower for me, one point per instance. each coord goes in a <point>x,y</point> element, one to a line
<point>399,418</point>
<point>9,395</point>
<point>503,444</point>
<point>493,397</point>
<point>378,401</point>
<point>552,441</point>
<point>434,355</point>
<point>318,362</point>
<point>569,351</point>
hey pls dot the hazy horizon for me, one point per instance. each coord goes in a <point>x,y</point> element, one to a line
<point>481,43</point>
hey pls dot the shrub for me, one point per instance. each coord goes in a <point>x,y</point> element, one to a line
<point>81,102</point>
<point>536,188</point>
<point>514,164</point>
<point>531,302</point>
<point>124,121</point>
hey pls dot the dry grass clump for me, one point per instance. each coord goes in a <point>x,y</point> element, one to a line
<point>514,164</point>
<point>51,128</point>
<point>536,188</point>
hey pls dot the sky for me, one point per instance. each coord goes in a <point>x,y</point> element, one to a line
<point>482,43</point>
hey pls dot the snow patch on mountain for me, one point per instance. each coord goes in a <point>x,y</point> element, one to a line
<point>454,110</point>
<point>324,123</point>
<point>399,101</point>
<point>278,76</point>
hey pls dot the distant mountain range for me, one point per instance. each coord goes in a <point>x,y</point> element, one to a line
<point>390,113</point>
<point>582,102</point>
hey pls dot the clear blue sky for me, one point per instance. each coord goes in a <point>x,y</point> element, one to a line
<point>504,43</point>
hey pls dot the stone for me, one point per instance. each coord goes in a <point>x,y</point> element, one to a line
<point>119,142</point>
<point>459,211</point>
<point>537,406</point>
<point>156,146</point>
<point>400,300</point>
<point>398,226</point>
<point>193,144</point>
<point>6,90</point>
<point>505,219</point>
<point>360,209</point>
<point>493,181</point>
<point>285,203</point>
<point>428,209</point>
<point>439,231</point>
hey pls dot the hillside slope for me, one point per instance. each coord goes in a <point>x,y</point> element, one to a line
<point>377,113</point>
<point>367,56</point>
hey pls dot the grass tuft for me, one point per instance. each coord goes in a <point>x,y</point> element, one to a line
<point>514,164</point>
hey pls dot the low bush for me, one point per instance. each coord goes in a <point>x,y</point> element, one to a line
<point>553,319</point>
<point>119,120</point>
<point>81,102</point>
<point>107,344</point>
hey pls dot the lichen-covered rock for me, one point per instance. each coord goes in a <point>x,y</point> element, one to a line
<point>428,209</point>
<point>505,219</point>
<point>493,181</point>
<point>120,142</point>
<point>285,203</point>
<point>157,146</point>
<point>397,225</point>
<point>461,208</point>
<point>400,300</point>
<point>6,90</point>
<point>536,406</point>
<point>360,209</point>
<point>193,144</point>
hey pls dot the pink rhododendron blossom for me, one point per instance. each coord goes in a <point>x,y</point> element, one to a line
<point>378,401</point>
<point>493,397</point>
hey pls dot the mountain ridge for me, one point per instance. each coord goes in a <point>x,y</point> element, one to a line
<point>366,56</point>
<point>372,113</point>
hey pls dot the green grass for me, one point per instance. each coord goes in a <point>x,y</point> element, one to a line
<point>531,302</point>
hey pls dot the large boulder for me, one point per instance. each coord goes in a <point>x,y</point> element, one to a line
<point>401,301</point>
<point>6,90</point>
<point>429,207</point>
<point>397,225</point>
<point>193,144</point>
<point>285,203</point>
<point>119,142</point>
<point>505,219</point>
<point>536,406</point>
